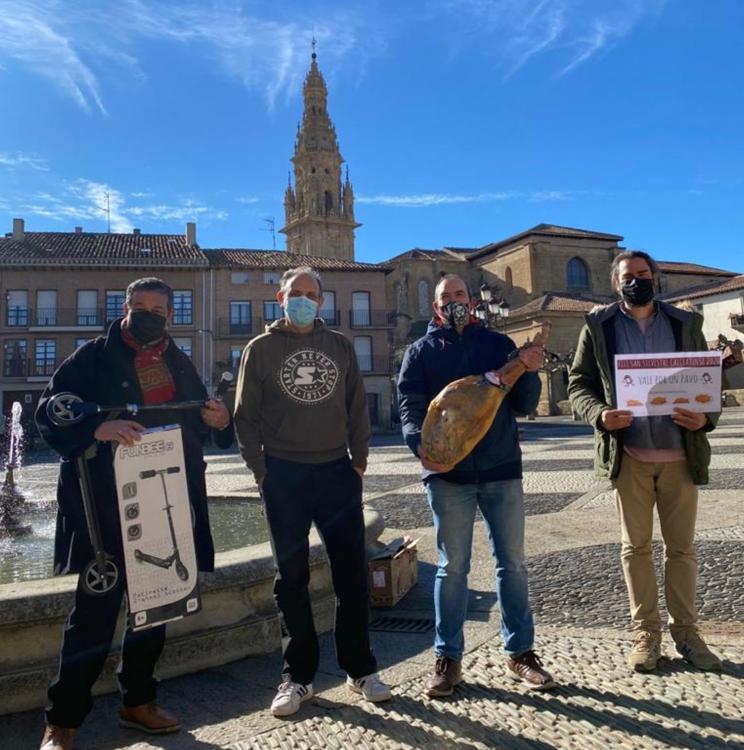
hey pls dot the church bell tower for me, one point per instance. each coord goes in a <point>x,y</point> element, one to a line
<point>319,209</point>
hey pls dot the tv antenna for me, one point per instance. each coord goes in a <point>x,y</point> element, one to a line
<point>107,209</point>
<point>270,227</point>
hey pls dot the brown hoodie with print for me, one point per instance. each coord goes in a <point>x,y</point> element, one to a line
<point>300,397</point>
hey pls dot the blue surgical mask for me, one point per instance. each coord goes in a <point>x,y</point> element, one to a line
<point>301,311</point>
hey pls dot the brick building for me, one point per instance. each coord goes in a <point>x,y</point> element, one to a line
<point>60,289</point>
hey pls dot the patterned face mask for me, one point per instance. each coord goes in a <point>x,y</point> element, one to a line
<point>457,314</point>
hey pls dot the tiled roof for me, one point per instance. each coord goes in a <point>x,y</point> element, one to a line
<point>447,253</point>
<point>547,230</point>
<point>707,290</point>
<point>93,248</point>
<point>669,266</point>
<point>561,302</point>
<point>277,259</point>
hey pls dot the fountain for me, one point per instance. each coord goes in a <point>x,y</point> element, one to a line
<point>12,500</point>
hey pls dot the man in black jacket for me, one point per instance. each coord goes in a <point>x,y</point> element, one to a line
<point>136,362</point>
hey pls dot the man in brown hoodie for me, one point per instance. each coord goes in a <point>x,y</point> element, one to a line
<point>300,410</point>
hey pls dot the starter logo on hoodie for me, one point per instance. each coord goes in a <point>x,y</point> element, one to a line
<point>308,376</point>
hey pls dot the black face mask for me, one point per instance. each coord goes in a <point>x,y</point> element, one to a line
<point>457,314</point>
<point>638,292</point>
<point>146,326</point>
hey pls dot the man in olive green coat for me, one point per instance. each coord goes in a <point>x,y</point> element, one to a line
<point>650,460</point>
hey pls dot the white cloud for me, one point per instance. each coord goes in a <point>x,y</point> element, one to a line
<point>572,31</point>
<point>73,45</point>
<point>88,200</point>
<point>23,161</point>
<point>247,200</point>
<point>424,200</point>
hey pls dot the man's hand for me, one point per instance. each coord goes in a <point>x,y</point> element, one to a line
<point>431,466</point>
<point>532,357</point>
<point>690,420</point>
<point>616,419</point>
<point>122,431</point>
<point>215,414</point>
<point>360,470</point>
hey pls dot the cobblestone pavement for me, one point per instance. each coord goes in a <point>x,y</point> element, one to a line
<point>580,609</point>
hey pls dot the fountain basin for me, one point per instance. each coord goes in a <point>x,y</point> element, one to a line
<point>238,619</point>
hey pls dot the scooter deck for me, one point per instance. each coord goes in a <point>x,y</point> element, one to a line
<point>157,533</point>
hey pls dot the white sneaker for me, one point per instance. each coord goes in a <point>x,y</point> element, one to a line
<point>289,697</point>
<point>371,687</point>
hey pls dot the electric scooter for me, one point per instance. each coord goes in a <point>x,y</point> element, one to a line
<point>66,409</point>
<point>175,556</point>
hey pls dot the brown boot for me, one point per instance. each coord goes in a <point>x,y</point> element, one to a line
<point>447,674</point>
<point>150,718</point>
<point>57,738</point>
<point>528,668</point>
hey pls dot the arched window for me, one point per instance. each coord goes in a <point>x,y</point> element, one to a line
<point>577,274</point>
<point>328,202</point>
<point>508,278</point>
<point>423,298</point>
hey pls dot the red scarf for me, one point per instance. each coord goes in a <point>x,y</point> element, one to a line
<point>155,379</point>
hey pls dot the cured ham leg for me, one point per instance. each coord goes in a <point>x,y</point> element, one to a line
<point>463,411</point>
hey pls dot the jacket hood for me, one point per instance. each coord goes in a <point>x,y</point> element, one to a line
<point>605,312</point>
<point>437,328</point>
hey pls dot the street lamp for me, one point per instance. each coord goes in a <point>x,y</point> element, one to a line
<point>491,310</point>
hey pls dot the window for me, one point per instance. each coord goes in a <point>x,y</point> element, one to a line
<point>17,314</point>
<point>182,308</point>
<point>272,277</point>
<point>363,351</point>
<point>114,304</point>
<point>328,310</point>
<point>577,274</point>
<point>46,307</point>
<point>240,277</point>
<point>87,315</point>
<point>184,343</point>
<point>240,318</point>
<point>46,353</point>
<point>508,283</point>
<point>14,358</point>
<point>423,298</point>
<point>360,313</point>
<point>272,311</point>
<point>236,352</point>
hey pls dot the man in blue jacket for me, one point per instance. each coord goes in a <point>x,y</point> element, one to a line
<point>489,478</point>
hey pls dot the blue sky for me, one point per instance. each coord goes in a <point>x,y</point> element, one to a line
<point>462,121</point>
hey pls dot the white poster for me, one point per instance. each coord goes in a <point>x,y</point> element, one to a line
<point>155,513</point>
<point>654,384</point>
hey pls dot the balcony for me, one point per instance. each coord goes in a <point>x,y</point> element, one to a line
<point>228,328</point>
<point>370,319</point>
<point>55,318</point>
<point>332,318</point>
<point>30,368</point>
<point>737,321</point>
<point>374,365</point>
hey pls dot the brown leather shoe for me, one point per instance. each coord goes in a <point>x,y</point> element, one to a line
<point>57,738</point>
<point>528,668</point>
<point>447,674</point>
<point>150,718</point>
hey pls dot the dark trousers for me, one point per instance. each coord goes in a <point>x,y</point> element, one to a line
<point>330,495</point>
<point>86,642</point>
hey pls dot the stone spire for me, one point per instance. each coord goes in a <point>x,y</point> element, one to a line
<point>319,212</point>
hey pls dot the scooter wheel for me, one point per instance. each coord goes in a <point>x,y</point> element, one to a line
<point>97,584</point>
<point>60,412</point>
<point>181,571</point>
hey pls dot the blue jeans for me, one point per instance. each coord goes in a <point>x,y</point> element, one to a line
<point>502,505</point>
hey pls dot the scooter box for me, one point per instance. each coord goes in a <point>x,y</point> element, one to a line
<point>157,535</point>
